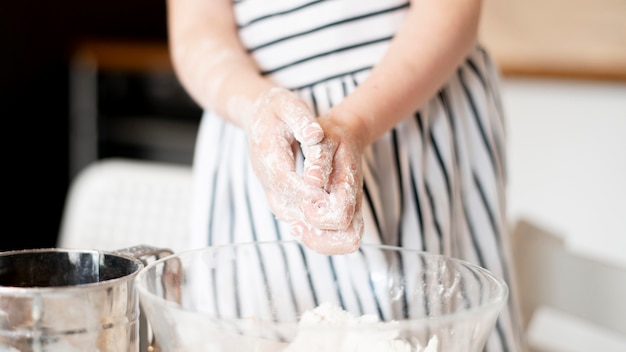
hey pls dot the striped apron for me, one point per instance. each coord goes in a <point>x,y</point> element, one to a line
<point>436,182</point>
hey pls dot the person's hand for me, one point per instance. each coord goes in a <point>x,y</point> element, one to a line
<point>277,122</point>
<point>334,224</point>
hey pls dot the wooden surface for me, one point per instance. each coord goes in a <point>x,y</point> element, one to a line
<point>565,38</point>
<point>123,55</point>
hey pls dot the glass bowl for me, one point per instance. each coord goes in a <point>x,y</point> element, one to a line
<point>281,296</point>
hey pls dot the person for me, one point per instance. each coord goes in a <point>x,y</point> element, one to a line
<point>347,122</point>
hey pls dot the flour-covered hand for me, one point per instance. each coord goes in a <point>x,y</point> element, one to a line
<point>279,121</point>
<point>334,223</point>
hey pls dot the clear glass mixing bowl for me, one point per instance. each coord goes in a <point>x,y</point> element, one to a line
<point>281,296</point>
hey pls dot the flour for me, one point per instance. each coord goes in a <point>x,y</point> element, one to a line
<point>329,328</point>
<point>326,328</point>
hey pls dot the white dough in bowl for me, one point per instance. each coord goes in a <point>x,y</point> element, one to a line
<point>329,328</point>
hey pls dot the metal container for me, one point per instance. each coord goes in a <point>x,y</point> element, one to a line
<point>71,300</point>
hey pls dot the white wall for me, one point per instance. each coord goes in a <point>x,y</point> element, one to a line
<point>567,150</point>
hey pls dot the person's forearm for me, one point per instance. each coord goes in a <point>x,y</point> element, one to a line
<point>209,59</point>
<point>436,36</point>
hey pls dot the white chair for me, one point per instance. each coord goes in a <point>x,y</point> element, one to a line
<point>118,203</point>
<point>569,302</point>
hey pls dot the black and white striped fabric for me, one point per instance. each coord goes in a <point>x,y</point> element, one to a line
<point>436,182</point>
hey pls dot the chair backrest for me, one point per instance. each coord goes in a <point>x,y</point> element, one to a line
<point>119,203</point>
<point>569,301</point>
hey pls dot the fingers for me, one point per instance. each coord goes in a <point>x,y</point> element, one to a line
<point>334,211</point>
<point>281,207</point>
<point>334,224</point>
<point>337,208</point>
<point>287,193</point>
<point>330,242</point>
<point>279,119</point>
<point>298,117</point>
<point>318,161</point>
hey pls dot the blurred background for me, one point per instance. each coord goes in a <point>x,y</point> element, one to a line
<point>89,81</point>
<point>39,42</point>
<point>564,92</point>
<point>83,81</point>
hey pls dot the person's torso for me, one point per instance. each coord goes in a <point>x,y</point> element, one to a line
<point>296,42</point>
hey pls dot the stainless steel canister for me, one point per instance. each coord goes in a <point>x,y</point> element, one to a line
<point>71,300</point>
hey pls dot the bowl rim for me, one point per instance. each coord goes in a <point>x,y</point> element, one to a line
<point>499,299</point>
